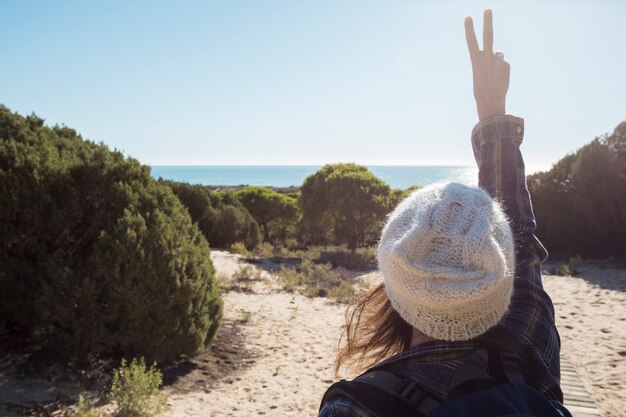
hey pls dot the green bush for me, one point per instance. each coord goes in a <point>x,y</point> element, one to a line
<point>342,293</point>
<point>222,219</point>
<point>321,275</point>
<point>135,390</point>
<point>275,213</point>
<point>569,268</point>
<point>82,409</point>
<point>290,279</point>
<point>343,204</point>
<point>95,256</point>
<point>316,280</point>
<point>240,249</point>
<point>565,270</point>
<point>263,250</point>
<point>580,203</point>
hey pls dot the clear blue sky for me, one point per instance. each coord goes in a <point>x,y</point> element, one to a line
<point>295,82</point>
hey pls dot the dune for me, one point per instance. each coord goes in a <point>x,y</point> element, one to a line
<point>277,349</point>
<point>278,346</point>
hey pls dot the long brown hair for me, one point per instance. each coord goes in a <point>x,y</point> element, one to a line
<point>373,331</point>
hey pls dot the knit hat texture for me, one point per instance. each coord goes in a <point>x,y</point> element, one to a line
<point>447,259</point>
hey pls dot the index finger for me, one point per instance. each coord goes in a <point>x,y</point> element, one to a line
<point>488,31</point>
<point>470,36</point>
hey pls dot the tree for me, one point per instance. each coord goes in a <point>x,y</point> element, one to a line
<point>399,194</point>
<point>274,212</point>
<point>580,203</point>
<point>95,255</point>
<point>222,218</point>
<point>347,201</point>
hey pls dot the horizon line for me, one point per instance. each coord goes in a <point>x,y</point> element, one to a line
<point>307,165</point>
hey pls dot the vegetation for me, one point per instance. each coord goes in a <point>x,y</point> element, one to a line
<point>342,293</point>
<point>361,258</point>
<point>135,390</point>
<point>239,248</point>
<point>580,203</point>
<point>95,256</point>
<point>343,203</point>
<point>316,280</point>
<point>290,279</point>
<point>264,250</point>
<point>569,268</point>
<point>244,278</point>
<point>82,409</point>
<point>220,216</point>
<point>275,213</point>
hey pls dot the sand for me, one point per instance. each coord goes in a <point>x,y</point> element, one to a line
<point>281,360</point>
<point>591,318</point>
<point>275,350</point>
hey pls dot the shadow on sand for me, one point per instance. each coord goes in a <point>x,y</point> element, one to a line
<point>33,383</point>
<point>608,275</point>
<point>227,357</point>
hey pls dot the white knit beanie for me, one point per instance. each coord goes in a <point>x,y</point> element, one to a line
<point>447,259</point>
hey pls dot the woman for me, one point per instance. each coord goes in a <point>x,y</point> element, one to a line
<point>460,265</point>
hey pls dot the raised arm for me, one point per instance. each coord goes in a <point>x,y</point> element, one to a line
<point>497,137</point>
<point>496,141</point>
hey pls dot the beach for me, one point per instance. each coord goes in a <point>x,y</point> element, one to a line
<point>276,352</point>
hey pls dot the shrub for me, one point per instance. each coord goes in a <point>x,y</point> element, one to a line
<point>344,203</point>
<point>263,250</point>
<point>95,255</point>
<point>575,263</point>
<point>82,409</point>
<point>290,279</point>
<point>565,270</point>
<point>580,202</point>
<point>569,268</point>
<point>321,275</point>
<point>222,280</point>
<point>291,244</point>
<point>281,252</point>
<point>221,217</point>
<point>275,213</point>
<point>240,249</point>
<point>244,277</point>
<point>362,258</point>
<point>342,293</point>
<point>315,280</point>
<point>135,390</point>
<point>247,273</point>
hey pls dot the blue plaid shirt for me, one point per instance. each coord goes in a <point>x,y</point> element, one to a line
<point>495,142</point>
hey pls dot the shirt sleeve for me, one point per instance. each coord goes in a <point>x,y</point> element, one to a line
<point>496,144</point>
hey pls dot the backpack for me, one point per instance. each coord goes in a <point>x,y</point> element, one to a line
<point>474,392</point>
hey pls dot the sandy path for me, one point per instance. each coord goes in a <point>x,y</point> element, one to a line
<point>277,349</point>
<point>591,318</point>
<point>285,351</point>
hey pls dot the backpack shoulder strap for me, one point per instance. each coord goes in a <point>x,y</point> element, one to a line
<point>383,393</point>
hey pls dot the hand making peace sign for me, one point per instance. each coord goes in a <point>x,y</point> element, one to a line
<point>491,71</point>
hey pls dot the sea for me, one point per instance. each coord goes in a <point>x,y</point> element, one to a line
<point>397,176</point>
